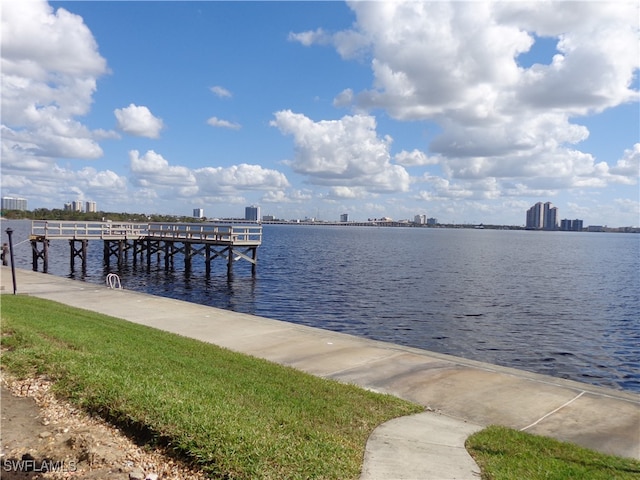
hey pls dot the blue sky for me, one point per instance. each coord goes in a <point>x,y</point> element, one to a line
<point>467,112</point>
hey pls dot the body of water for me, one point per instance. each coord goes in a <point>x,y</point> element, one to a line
<point>565,304</point>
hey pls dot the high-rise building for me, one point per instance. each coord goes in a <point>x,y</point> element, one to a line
<point>76,206</point>
<point>344,218</point>
<point>252,213</point>
<point>420,219</point>
<point>198,212</point>
<point>14,203</point>
<point>571,225</point>
<point>432,221</point>
<point>90,207</point>
<point>534,216</point>
<point>550,217</point>
<point>542,216</point>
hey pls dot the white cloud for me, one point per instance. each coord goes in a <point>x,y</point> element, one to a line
<point>217,122</point>
<point>345,152</point>
<point>348,192</point>
<point>349,44</point>
<point>239,177</point>
<point>138,121</point>
<point>281,196</point>
<point>153,171</point>
<point>49,67</point>
<point>456,58</point>
<point>414,158</point>
<point>56,185</point>
<point>318,36</point>
<point>344,98</point>
<point>221,92</point>
<point>627,205</point>
<point>629,164</point>
<point>456,64</point>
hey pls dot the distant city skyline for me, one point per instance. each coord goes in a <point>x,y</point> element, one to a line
<point>469,112</point>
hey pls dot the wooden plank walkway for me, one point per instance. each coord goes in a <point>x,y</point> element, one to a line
<point>213,240</point>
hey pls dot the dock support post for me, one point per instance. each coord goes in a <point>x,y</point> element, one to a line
<point>106,253</point>
<point>230,261</point>
<point>187,257</point>
<point>85,248</point>
<point>78,252</point>
<point>121,250</point>
<point>135,252</point>
<point>153,246</point>
<point>255,261</point>
<point>43,254</point>
<point>169,251</point>
<point>34,255</point>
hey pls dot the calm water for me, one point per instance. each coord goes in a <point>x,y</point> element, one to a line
<point>559,303</point>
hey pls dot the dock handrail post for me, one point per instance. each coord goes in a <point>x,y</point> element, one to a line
<point>13,264</point>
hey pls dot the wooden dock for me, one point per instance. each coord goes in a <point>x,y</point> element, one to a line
<point>230,242</point>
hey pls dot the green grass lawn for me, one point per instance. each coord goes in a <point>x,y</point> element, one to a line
<point>233,415</point>
<point>507,454</point>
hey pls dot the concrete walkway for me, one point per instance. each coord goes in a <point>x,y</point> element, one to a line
<point>461,395</point>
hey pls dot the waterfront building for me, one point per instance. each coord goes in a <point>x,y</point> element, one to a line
<point>420,219</point>
<point>542,217</point>
<point>75,206</point>
<point>432,221</point>
<point>550,217</point>
<point>534,216</point>
<point>90,207</point>
<point>252,213</point>
<point>198,212</point>
<point>14,203</point>
<point>344,218</point>
<point>567,225</point>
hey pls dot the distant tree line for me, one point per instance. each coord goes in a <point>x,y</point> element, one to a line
<point>59,214</point>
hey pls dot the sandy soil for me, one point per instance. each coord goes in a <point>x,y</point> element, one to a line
<point>45,438</point>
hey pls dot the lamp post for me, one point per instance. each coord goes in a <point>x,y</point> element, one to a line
<point>13,265</point>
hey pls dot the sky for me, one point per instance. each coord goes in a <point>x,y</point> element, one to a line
<point>468,112</point>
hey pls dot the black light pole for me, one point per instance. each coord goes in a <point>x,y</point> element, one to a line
<point>13,265</point>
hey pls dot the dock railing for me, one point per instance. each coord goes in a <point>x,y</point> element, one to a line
<point>236,234</point>
<point>207,233</point>
<point>65,229</point>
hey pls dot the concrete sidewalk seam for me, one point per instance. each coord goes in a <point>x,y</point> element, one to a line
<point>553,411</point>
<point>354,366</point>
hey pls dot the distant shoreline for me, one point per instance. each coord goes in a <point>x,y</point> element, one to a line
<point>369,223</point>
